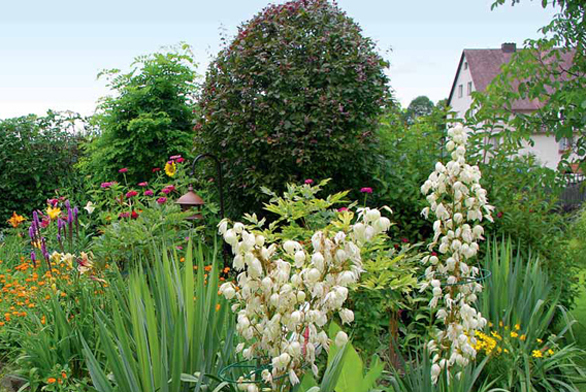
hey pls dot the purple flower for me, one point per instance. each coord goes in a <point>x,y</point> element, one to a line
<point>31,232</point>
<point>75,212</point>
<point>366,190</point>
<point>162,200</point>
<point>33,256</point>
<point>148,192</point>
<point>309,181</point>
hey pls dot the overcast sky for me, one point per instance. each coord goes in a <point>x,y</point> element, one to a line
<point>51,51</point>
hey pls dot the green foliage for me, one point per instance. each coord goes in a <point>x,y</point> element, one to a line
<point>295,95</point>
<point>37,155</point>
<point>126,240</point>
<point>147,120</point>
<point>550,70</point>
<point>417,377</point>
<point>167,322</point>
<point>519,302</point>
<point>577,243</point>
<point>344,371</point>
<point>383,292</point>
<point>419,107</point>
<point>407,156</point>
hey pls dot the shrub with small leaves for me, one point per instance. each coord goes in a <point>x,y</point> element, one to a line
<point>297,92</point>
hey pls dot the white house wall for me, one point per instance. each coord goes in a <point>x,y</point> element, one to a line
<point>461,104</point>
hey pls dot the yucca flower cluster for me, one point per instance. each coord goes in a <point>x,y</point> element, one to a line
<point>458,204</point>
<point>288,291</point>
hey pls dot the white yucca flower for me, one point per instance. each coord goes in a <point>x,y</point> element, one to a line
<point>457,230</point>
<point>287,294</point>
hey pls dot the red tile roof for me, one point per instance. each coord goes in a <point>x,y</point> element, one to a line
<point>485,65</point>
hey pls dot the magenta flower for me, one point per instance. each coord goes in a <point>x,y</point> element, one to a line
<point>124,215</point>
<point>168,189</point>
<point>404,240</point>
<point>143,184</point>
<point>174,157</point>
<point>342,209</point>
<point>106,185</point>
<point>309,181</point>
<point>131,194</point>
<point>179,160</point>
<point>148,192</point>
<point>156,169</point>
<point>123,170</point>
<point>162,200</point>
<point>366,190</point>
<point>52,202</point>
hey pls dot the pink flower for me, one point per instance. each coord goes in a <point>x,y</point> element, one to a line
<point>143,184</point>
<point>124,215</point>
<point>168,189</point>
<point>131,194</point>
<point>179,160</point>
<point>309,181</point>
<point>123,170</point>
<point>404,240</point>
<point>156,169</point>
<point>52,202</point>
<point>106,185</point>
<point>174,157</point>
<point>366,190</point>
<point>162,200</point>
<point>148,192</point>
<point>342,209</point>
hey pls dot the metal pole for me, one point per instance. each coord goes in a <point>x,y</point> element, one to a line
<point>218,175</point>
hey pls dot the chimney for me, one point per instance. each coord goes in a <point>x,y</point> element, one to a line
<point>509,47</point>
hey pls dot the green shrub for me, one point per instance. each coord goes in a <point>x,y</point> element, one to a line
<point>36,157</point>
<point>407,156</point>
<point>147,120</point>
<point>295,95</point>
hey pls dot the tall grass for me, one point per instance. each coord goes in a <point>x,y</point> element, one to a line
<point>169,325</point>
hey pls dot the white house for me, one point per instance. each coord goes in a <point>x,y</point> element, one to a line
<point>477,68</point>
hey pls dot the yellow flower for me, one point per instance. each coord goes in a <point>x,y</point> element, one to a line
<point>550,351</point>
<point>517,327</point>
<point>514,334</point>
<point>16,220</point>
<point>501,324</point>
<point>53,212</point>
<point>539,341</point>
<point>171,168</point>
<point>523,337</point>
<point>537,354</point>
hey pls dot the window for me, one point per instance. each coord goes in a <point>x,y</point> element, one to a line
<point>566,144</point>
<point>469,88</point>
<point>460,91</point>
<point>466,65</point>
